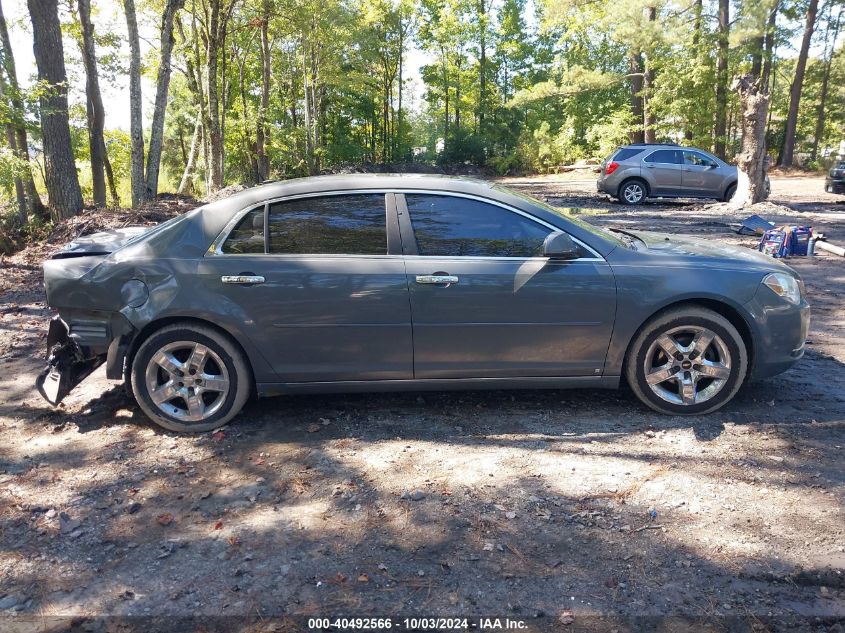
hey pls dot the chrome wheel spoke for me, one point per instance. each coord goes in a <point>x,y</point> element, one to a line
<point>661,374</point>
<point>702,341</point>
<point>164,393</point>
<point>214,383</point>
<point>669,346</point>
<point>714,370</point>
<point>196,408</point>
<point>198,358</point>
<point>168,362</point>
<point>687,389</point>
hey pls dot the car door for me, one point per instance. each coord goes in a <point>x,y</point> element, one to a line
<point>664,171</point>
<point>317,288</point>
<point>485,303</point>
<point>701,175</point>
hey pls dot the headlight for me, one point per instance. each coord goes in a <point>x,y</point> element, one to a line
<point>784,285</point>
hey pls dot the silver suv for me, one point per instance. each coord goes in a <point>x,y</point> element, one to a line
<point>636,172</point>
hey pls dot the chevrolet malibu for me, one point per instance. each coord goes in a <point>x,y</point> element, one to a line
<point>382,283</point>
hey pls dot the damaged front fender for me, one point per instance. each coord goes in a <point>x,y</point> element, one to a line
<point>67,364</point>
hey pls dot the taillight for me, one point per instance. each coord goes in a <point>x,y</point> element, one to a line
<point>611,167</point>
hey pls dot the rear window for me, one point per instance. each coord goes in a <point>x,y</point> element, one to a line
<point>248,235</point>
<point>626,152</point>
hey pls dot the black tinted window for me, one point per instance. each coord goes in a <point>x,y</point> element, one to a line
<point>329,225</point>
<point>669,156</point>
<point>248,235</point>
<point>627,152</point>
<point>448,226</point>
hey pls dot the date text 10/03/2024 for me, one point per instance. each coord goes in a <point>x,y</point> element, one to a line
<point>416,624</point>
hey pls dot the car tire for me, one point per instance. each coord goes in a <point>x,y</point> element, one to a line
<point>690,386</point>
<point>633,192</point>
<point>729,193</point>
<point>190,378</point>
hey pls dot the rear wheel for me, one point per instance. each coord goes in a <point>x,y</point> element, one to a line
<point>687,361</point>
<point>190,378</point>
<point>730,193</point>
<point>632,192</point>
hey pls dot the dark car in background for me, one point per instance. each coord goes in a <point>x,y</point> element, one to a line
<point>835,181</point>
<point>665,170</point>
<point>383,283</point>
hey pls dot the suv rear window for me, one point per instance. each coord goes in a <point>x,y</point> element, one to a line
<point>626,152</point>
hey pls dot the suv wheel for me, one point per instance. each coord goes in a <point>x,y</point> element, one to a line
<point>730,193</point>
<point>687,361</point>
<point>190,378</point>
<point>632,192</point>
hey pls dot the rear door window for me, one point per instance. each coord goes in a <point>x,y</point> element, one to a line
<point>665,157</point>
<point>345,224</point>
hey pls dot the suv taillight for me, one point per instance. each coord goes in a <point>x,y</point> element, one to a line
<point>611,167</point>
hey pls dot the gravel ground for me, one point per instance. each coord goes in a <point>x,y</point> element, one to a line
<point>570,510</point>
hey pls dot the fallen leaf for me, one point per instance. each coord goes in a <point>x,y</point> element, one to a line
<point>313,428</point>
<point>234,540</point>
<point>218,525</point>
<point>363,578</point>
<point>219,436</point>
<point>565,617</point>
<point>164,519</point>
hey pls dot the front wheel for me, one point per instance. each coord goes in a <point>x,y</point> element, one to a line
<point>190,378</point>
<point>687,361</point>
<point>632,192</point>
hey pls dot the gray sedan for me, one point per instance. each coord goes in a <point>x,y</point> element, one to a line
<point>381,283</point>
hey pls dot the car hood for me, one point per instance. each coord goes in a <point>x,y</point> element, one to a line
<point>706,251</point>
<point>101,243</point>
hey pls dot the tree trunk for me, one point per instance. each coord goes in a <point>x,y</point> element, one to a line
<point>309,124</point>
<point>186,184</point>
<point>769,46</point>
<point>136,121</point>
<point>828,59</point>
<point>797,86</point>
<point>20,196</point>
<point>754,103</point>
<point>720,127</point>
<point>261,130</point>
<point>649,118</point>
<point>635,69</point>
<point>59,166</point>
<point>94,104</point>
<point>215,138</point>
<point>482,65</point>
<point>162,87</point>
<point>115,199</point>
<point>33,200</point>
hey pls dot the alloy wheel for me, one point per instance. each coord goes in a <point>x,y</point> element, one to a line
<point>687,365</point>
<point>187,381</point>
<point>633,193</point>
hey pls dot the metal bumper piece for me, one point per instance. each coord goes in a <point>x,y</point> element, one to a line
<point>67,364</point>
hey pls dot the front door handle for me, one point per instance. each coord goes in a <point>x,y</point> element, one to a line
<point>243,280</point>
<point>437,279</point>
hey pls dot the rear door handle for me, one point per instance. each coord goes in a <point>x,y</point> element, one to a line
<point>437,279</point>
<point>243,280</point>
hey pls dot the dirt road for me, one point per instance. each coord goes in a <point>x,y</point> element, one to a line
<point>573,510</point>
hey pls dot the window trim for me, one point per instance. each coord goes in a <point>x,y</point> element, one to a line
<point>407,226</point>
<point>400,209</point>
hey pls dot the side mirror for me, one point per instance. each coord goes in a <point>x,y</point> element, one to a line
<point>559,245</point>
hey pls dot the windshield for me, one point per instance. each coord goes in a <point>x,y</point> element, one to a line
<point>603,233</point>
